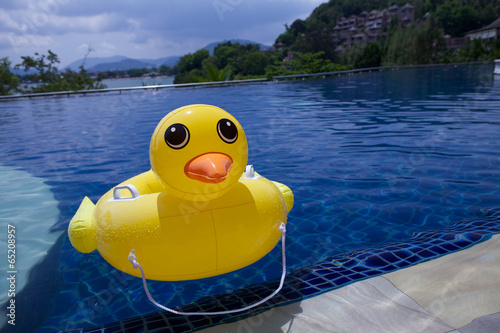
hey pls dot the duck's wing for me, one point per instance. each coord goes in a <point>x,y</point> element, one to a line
<point>82,230</point>
<point>287,194</point>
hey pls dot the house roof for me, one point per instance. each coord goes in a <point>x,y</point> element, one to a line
<point>494,25</point>
<point>408,6</point>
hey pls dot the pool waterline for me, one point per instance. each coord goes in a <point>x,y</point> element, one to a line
<point>373,160</point>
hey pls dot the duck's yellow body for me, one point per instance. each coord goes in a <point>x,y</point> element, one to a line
<point>198,222</point>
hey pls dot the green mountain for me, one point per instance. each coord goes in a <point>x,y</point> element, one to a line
<point>211,47</point>
<point>93,61</point>
<point>317,33</point>
<point>121,63</point>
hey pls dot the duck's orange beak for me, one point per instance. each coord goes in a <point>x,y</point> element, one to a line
<point>209,168</point>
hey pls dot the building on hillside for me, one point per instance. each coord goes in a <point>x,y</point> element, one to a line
<point>491,31</point>
<point>376,21</point>
<point>455,43</point>
<point>365,27</point>
<point>370,27</point>
<point>406,15</point>
<point>279,46</point>
<point>393,10</point>
<point>290,56</point>
<point>359,38</point>
<point>373,36</point>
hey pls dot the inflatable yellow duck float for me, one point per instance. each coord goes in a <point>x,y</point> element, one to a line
<point>199,212</point>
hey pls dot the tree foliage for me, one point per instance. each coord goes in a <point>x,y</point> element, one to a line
<point>423,44</point>
<point>192,61</point>
<point>453,17</point>
<point>457,17</point>
<point>9,83</point>
<point>303,63</point>
<point>49,78</point>
<point>229,61</point>
<point>311,45</point>
<point>255,63</point>
<point>371,56</point>
<point>212,74</point>
<point>139,72</point>
<point>479,50</point>
<point>165,70</point>
<point>314,33</point>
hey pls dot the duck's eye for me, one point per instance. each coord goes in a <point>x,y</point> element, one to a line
<point>177,136</point>
<point>227,130</point>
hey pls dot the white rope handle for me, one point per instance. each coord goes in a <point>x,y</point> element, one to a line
<point>133,259</point>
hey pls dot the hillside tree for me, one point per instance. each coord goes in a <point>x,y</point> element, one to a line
<point>8,82</point>
<point>49,78</point>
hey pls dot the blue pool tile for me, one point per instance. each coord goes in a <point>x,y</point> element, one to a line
<point>326,286</point>
<point>308,291</point>
<point>317,280</point>
<point>182,328</point>
<point>350,263</point>
<point>371,273</point>
<point>412,259</point>
<point>178,321</point>
<point>154,317</point>
<point>134,329</point>
<point>161,330</point>
<point>112,329</point>
<point>357,276</point>
<point>426,254</point>
<point>472,237</point>
<point>332,275</point>
<point>153,325</point>
<point>389,257</point>
<point>341,281</point>
<point>202,321</point>
<point>328,265</point>
<point>134,326</point>
<point>322,271</point>
<point>320,277</point>
<point>375,261</point>
<point>438,249</point>
<point>192,308</point>
<point>401,254</point>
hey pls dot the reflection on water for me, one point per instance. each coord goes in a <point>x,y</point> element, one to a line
<point>372,159</point>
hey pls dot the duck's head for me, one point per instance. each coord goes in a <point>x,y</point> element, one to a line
<point>198,151</point>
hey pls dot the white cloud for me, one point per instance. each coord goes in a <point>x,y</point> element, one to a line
<point>133,23</point>
<point>7,22</point>
<point>146,28</point>
<point>107,47</point>
<point>95,24</point>
<point>25,44</point>
<point>84,47</point>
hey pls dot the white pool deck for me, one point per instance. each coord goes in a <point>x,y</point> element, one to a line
<point>457,293</point>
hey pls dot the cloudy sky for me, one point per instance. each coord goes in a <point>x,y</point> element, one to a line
<point>140,28</point>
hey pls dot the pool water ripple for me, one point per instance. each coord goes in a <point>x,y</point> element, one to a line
<point>388,169</point>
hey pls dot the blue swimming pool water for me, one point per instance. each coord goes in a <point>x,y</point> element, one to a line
<point>374,160</point>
